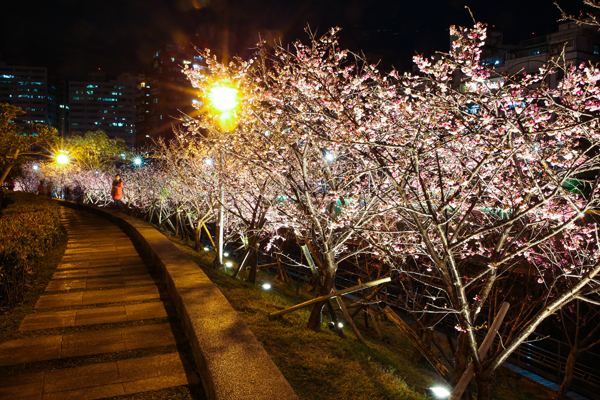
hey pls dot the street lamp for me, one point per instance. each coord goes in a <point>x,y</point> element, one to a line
<point>62,158</point>
<point>223,99</point>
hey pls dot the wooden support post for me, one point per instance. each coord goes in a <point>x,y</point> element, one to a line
<point>209,236</point>
<point>340,301</point>
<point>328,296</point>
<point>483,349</point>
<point>267,265</point>
<point>433,360</point>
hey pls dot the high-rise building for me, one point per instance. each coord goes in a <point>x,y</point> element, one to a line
<point>98,104</point>
<point>581,44</point>
<point>165,95</point>
<point>38,91</point>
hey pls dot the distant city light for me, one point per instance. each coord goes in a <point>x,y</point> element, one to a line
<point>266,286</point>
<point>440,392</point>
<point>123,155</point>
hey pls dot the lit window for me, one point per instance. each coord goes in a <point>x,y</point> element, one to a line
<point>596,49</point>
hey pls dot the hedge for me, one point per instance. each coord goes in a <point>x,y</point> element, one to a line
<point>29,226</point>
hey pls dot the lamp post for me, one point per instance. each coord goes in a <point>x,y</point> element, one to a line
<point>224,100</point>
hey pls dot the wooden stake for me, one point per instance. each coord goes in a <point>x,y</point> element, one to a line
<point>328,296</point>
<point>433,360</point>
<point>483,349</point>
<point>209,236</point>
<point>340,301</point>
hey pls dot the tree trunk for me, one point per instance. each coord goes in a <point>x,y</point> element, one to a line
<point>253,264</point>
<point>197,236</point>
<point>5,173</point>
<point>569,367</point>
<point>461,357</point>
<point>328,272</point>
<point>485,384</point>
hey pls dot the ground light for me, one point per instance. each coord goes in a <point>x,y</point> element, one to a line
<point>226,254</point>
<point>440,392</point>
<point>229,264</point>
<point>340,325</point>
<point>266,286</point>
<point>206,249</point>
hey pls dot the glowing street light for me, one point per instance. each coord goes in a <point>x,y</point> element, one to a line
<point>329,157</point>
<point>62,158</point>
<point>35,167</point>
<point>223,98</point>
<point>137,161</point>
<point>208,162</point>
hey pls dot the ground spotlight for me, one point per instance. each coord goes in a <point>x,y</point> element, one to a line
<point>266,286</point>
<point>229,264</point>
<point>440,392</point>
<point>340,325</point>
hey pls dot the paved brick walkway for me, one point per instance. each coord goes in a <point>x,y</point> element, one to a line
<point>103,303</point>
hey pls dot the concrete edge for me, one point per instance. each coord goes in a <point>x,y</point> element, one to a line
<point>231,362</point>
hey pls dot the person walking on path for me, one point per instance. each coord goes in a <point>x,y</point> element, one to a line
<point>49,189</point>
<point>117,191</point>
<point>41,188</point>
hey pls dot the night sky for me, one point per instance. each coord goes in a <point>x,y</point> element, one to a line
<point>75,37</point>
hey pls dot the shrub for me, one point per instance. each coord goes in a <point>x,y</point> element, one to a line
<point>29,226</point>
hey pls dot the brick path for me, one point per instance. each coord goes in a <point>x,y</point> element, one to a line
<point>102,304</point>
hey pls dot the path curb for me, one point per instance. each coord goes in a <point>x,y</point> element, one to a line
<point>232,364</point>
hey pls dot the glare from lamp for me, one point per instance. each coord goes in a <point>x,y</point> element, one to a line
<point>206,249</point>
<point>223,98</point>
<point>226,254</point>
<point>35,167</point>
<point>340,325</point>
<point>137,161</point>
<point>266,286</point>
<point>229,264</point>
<point>208,162</point>
<point>62,159</point>
<point>329,157</point>
<point>440,392</point>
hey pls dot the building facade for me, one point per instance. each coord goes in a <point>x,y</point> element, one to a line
<point>107,105</point>
<point>164,94</point>
<point>38,91</point>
